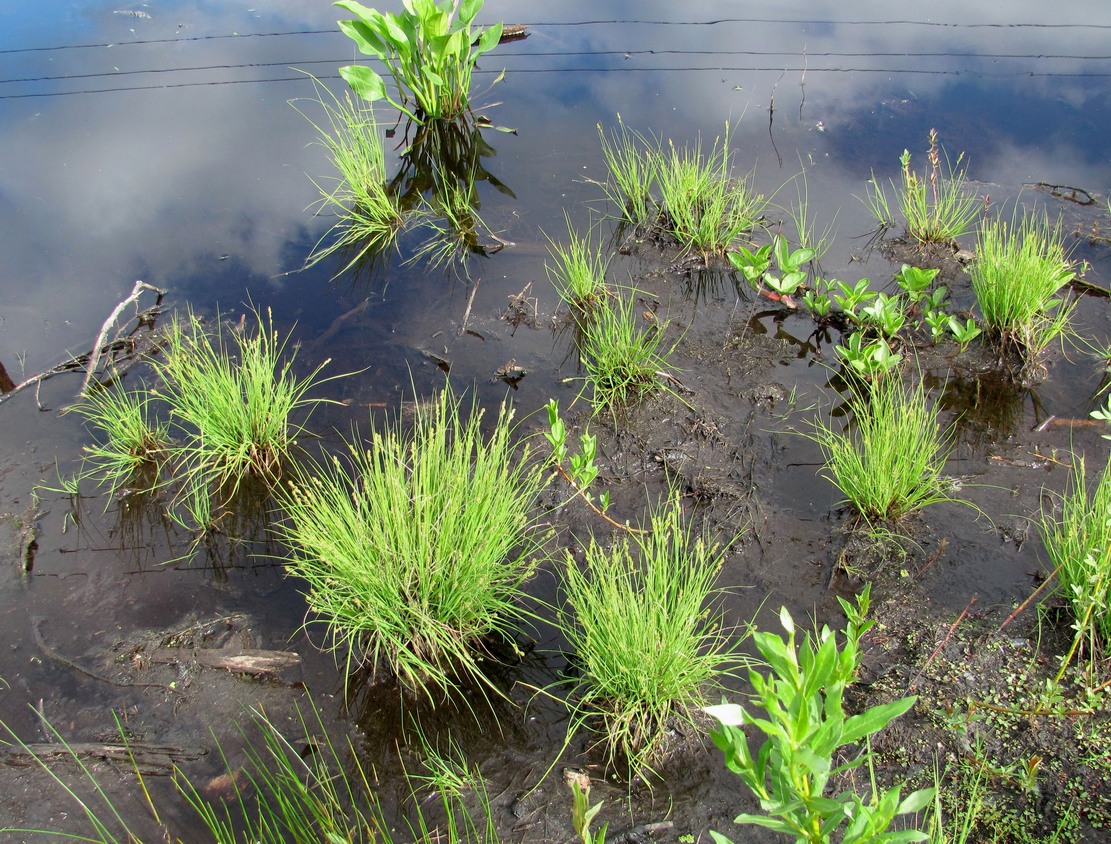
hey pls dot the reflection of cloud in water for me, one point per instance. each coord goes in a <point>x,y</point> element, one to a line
<point>98,188</point>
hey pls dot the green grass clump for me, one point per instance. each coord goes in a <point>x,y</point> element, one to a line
<point>648,648</point>
<point>936,205</point>
<point>133,441</point>
<point>1078,542</point>
<point>232,403</point>
<point>370,216</point>
<point>890,463</point>
<point>623,361</point>
<point>703,207</point>
<point>634,167</point>
<point>578,272</point>
<point>423,551</point>
<point>1020,269</point>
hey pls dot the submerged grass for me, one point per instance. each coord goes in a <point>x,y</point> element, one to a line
<point>648,646</point>
<point>370,217</point>
<point>623,361</point>
<point>1019,272</point>
<point>578,272</point>
<point>232,402</point>
<point>301,788</point>
<point>1078,542</point>
<point>703,207</point>
<point>422,552</point>
<point>133,440</point>
<point>890,464</point>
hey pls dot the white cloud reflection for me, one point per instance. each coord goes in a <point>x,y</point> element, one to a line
<point>97,188</point>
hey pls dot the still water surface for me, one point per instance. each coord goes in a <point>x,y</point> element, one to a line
<point>157,141</point>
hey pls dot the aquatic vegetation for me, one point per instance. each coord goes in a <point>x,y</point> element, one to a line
<point>702,206</point>
<point>303,788</point>
<point>648,647</point>
<point>936,205</point>
<point>634,166</point>
<point>915,282</point>
<point>1104,414</point>
<point>1078,542</point>
<point>421,552</point>
<point>799,698</point>
<point>889,463</point>
<point>756,266</point>
<point>134,440</point>
<point>429,49</point>
<point>370,216</point>
<point>623,361</point>
<point>1018,275</point>
<point>868,359</point>
<point>578,272</point>
<point>232,405</point>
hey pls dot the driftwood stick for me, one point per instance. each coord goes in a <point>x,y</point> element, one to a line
<point>113,318</point>
<point>261,664</point>
<point>149,759</point>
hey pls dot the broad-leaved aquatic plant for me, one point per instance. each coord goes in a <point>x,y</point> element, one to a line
<point>429,49</point>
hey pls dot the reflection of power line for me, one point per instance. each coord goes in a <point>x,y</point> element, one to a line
<point>561,70</point>
<point>560,24</point>
<point>1030,57</point>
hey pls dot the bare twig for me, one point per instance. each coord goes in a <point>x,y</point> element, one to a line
<point>113,318</point>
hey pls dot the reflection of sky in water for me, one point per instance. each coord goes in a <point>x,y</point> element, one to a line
<point>200,157</point>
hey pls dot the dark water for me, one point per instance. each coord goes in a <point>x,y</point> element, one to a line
<point>156,142</point>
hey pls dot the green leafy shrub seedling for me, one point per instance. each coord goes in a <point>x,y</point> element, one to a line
<point>420,554</point>
<point>429,49</point>
<point>1078,542</point>
<point>798,706</point>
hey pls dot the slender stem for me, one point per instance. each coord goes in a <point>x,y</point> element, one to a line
<point>579,491</point>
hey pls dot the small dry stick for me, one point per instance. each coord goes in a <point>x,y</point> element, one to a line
<point>113,318</point>
<point>941,644</point>
<point>1026,603</point>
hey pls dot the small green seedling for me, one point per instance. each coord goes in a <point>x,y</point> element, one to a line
<point>885,314</point>
<point>852,297</point>
<point>1104,413</point>
<point>819,303</point>
<point>964,333</point>
<point>915,281</point>
<point>868,359</point>
<point>752,265</point>
<point>938,322</point>
<point>583,813</point>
